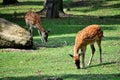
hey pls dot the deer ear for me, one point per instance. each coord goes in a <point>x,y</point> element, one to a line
<point>71,55</point>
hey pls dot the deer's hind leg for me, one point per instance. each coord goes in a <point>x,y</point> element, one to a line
<point>93,51</point>
<point>100,50</point>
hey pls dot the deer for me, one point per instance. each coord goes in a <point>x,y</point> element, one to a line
<point>33,20</point>
<point>88,36</point>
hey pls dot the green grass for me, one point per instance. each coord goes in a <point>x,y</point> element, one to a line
<point>52,59</point>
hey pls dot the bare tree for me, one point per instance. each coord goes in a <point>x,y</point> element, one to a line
<point>52,8</point>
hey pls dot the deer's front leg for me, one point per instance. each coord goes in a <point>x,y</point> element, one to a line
<point>31,30</point>
<point>40,34</point>
<point>83,57</point>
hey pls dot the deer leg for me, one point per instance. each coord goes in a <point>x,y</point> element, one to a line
<point>93,51</point>
<point>83,50</point>
<point>30,30</point>
<point>27,25</point>
<point>99,45</point>
<point>40,34</point>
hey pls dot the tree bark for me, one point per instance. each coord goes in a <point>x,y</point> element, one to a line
<point>60,5</point>
<point>6,2</point>
<point>52,8</point>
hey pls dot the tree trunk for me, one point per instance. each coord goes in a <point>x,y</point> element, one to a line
<point>52,8</point>
<point>6,2</point>
<point>60,5</point>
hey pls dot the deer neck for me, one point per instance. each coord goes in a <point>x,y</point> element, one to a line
<point>39,26</point>
<point>76,49</point>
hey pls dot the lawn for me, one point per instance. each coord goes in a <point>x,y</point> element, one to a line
<point>52,60</point>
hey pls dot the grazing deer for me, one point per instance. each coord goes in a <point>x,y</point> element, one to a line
<point>88,35</point>
<point>32,19</point>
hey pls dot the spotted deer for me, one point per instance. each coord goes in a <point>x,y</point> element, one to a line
<point>32,19</point>
<point>88,35</point>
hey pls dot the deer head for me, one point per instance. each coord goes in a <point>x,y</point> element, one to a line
<point>45,36</point>
<point>76,59</point>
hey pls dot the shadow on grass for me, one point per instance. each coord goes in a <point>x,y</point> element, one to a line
<point>108,63</point>
<point>40,3</point>
<point>115,17</point>
<point>25,3</point>
<point>93,5</point>
<point>55,42</point>
<point>91,76</point>
<point>111,38</point>
<point>68,77</point>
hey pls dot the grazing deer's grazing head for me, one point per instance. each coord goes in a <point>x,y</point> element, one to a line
<point>45,36</point>
<point>88,35</point>
<point>76,59</point>
<point>32,19</point>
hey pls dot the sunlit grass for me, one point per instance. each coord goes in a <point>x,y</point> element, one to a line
<point>106,8</point>
<point>19,9</point>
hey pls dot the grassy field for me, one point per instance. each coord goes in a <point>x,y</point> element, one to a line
<point>51,60</point>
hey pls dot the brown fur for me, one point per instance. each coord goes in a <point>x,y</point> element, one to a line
<point>32,19</point>
<point>88,35</point>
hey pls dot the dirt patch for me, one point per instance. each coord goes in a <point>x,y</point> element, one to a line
<point>15,50</point>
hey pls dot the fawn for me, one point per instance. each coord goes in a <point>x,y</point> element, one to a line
<point>32,19</point>
<point>88,35</point>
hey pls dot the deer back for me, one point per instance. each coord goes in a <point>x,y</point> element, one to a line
<point>89,35</point>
